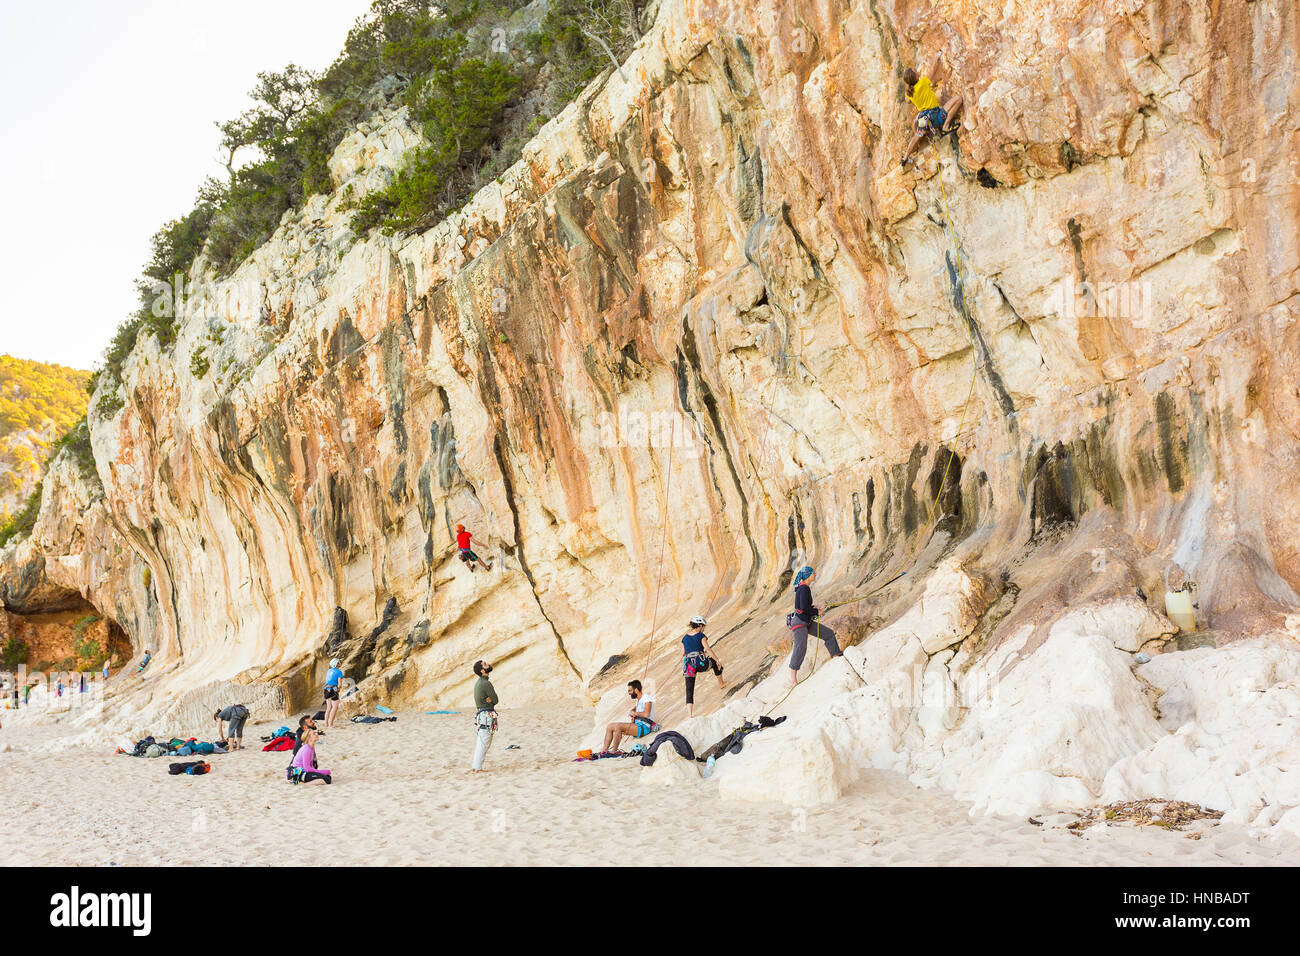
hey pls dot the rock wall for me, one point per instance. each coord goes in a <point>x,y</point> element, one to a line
<point>708,330</point>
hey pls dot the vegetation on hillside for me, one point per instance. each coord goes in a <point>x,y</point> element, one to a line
<point>37,402</point>
<point>476,87</point>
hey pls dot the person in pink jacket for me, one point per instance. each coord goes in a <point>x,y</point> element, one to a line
<point>304,769</point>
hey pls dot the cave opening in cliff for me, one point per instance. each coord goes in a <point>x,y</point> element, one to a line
<point>67,635</point>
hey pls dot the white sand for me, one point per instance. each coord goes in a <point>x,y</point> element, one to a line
<point>403,795</point>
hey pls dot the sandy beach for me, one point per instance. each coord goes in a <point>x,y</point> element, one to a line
<point>403,795</point>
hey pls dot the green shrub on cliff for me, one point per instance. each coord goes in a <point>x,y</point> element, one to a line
<point>581,38</point>
<point>13,654</point>
<point>476,98</point>
<point>90,655</point>
<point>22,523</point>
<point>459,101</point>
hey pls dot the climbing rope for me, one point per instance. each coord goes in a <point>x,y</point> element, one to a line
<point>925,530</point>
<point>928,526</point>
<point>663,540</point>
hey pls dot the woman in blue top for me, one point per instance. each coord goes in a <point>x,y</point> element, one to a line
<point>332,678</point>
<point>805,623</point>
<point>697,656</point>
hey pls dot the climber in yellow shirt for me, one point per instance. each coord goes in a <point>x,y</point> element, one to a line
<point>931,118</point>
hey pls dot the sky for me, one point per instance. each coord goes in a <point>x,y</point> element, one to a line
<point>107,132</point>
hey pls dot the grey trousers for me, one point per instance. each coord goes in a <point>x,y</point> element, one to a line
<point>484,742</point>
<point>818,630</point>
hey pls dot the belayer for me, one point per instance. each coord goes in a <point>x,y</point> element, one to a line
<point>931,118</point>
<point>466,555</point>
<point>804,622</point>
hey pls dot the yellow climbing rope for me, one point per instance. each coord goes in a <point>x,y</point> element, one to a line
<point>926,528</point>
<point>663,539</point>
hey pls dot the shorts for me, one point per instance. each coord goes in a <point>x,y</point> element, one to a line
<point>931,120</point>
<point>643,728</point>
<point>467,555</point>
<point>331,693</point>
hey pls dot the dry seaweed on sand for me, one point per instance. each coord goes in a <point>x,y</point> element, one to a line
<point>1156,812</point>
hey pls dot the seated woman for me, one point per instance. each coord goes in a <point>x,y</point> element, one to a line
<point>304,769</point>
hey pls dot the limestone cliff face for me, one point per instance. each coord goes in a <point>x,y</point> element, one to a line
<point>708,330</point>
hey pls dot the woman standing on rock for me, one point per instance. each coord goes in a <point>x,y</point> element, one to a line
<point>697,657</point>
<point>804,622</point>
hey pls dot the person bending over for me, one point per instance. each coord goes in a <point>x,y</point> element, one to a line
<point>235,715</point>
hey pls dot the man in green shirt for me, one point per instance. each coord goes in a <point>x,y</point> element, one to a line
<point>485,715</point>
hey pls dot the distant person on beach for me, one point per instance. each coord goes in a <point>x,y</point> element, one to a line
<point>467,555</point>
<point>235,715</point>
<point>697,658</point>
<point>332,678</point>
<point>485,712</point>
<point>303,769</point>
<point>641,722</point>
<point>805,623</point>
<point>144,662</point>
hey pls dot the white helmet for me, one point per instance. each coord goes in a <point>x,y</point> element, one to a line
<point>698,621</point>
<point>334,662</point>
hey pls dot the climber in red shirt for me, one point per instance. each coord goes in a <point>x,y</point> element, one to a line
<point>466,555</point>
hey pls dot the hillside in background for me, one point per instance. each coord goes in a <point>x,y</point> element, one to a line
<point>39,403</point>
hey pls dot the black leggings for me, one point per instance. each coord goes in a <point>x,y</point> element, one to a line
<point>690,680</point>
<point>311,775</point>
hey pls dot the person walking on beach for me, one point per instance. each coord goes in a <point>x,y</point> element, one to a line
<point>332,678</point>
<point>697,657</point>
<point>805,623</point>
<point>235,715</point>
<point>485,713</point>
